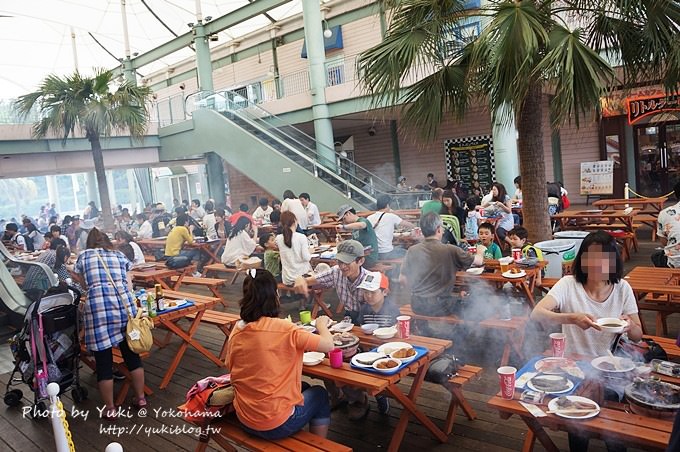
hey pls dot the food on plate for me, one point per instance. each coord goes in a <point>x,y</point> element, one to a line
<point>404,353</point>
<point>611,325</point>
<point>368,358</point>
<point>343,338</point>
<point>552,366</point>
<point>565,404</point>
<point>515,271</point>
<point>388,364</point>
<point>550,383</point>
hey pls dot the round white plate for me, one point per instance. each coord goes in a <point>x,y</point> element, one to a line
<point>309,328</point>
<point>368,356</point>
<point>475,270</point>
<point>391,369</point>
<point>404,360</point>
<point>625,365</point>
<point>552,406</point>
<point>330,322</point>
<point>312,358</point>
<point>611,329</point>
<point>561,362</point>
<point>510,275</point>
<point>570,386</point>
<point>390,347</point>
<point>341,327</point>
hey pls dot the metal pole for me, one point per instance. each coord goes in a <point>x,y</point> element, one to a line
<point>73,48</point>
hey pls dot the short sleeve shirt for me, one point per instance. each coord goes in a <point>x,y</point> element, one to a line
<point>384,229</point>
<point>348,291</point>
<point>668,226</point>
<point>431,266</point>
<point>367,237</point>
<point>571,296</point>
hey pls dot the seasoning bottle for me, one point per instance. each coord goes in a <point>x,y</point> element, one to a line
<point>160,300</point>
<point>665,368</point>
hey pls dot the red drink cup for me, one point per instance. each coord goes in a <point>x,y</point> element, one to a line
<point>472,249</point>
<point>481,213</point>
<point>557,341</point>
<point>516,254</point>
<point>335,357</point>
<point>404,326</point>
<point>507,380</point>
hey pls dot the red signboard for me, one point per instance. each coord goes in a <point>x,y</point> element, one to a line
<point>641,107</point>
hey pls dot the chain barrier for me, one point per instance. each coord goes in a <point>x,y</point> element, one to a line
<point>630,190</point>
<point>64,422</point>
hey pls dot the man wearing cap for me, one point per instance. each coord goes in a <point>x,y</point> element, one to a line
<point>362,232</point>
<point>430,267</point>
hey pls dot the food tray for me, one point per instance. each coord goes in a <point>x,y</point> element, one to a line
<point>420,352</point>
<point>530,367</point>
<point>182,306</point>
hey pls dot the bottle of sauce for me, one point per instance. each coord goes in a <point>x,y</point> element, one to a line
<point>160,300</point>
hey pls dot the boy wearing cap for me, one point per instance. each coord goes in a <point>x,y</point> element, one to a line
<point>379,307</point>
<point>362,231</point>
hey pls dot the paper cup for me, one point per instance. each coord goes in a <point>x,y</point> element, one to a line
<point>404,326</point>
<point>472,249</point>
<point>507,375</point>
<point>516,254</point>
<point>335,357</point>
<point>305,317</point>
<point>557,341</point>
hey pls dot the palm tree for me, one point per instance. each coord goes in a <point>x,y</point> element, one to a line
<point>569,49</point>
<point>95,107</point>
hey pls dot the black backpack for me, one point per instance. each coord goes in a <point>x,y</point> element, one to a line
<point>30,246</point>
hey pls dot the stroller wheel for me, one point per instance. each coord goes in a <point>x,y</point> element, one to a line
<point>40,411</point>
<point>79,394</point>
<point>13,397</point>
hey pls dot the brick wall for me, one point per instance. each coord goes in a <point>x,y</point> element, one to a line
<point>243,189</point>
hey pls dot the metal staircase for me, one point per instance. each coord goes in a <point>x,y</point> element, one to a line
<point>344,175</point>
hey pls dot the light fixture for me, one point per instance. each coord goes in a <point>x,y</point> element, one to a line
<point>327,32</point>
<point>190,25</point>
<point>182,86</point>
<point>208,18</point>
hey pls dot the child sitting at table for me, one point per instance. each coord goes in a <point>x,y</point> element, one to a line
<point>486,237</point>
<point>518,238</point>
<point>272,258</point>
<point>379,306</point>
<point>473,217</point>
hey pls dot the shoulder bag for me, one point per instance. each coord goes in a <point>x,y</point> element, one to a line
<point>138,331</point>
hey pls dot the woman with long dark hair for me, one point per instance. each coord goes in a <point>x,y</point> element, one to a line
<point>273,404</point>
<point>125,238</point>
<point>501,205</point>
<point>240,242</point>
<point>294,250</point>
<point>104,271</point>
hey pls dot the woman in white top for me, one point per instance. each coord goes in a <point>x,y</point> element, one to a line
<point>263,211</point>
<point>124,237</point>
<point>595,290</point>
<point>292,204</point>
<point>501,204</point>
<point>293,249</point>
<point>240,242</point>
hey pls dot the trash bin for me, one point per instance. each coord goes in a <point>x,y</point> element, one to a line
<point>576,236</point>
<point>556,252</point>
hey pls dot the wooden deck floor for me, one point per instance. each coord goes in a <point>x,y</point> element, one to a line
<point>154,432</point>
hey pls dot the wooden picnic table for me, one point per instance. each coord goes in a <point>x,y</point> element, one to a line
<point>644,204</point>
<point>375,383</point>
<point>656,289</point>
<point>209,247</point>
<point>614,422</point>
<point>169,321</point>
<point>596,219</point>
<point>161,275</point>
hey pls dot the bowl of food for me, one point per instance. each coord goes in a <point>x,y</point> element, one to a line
<point>369,328</point>
<point>385,333</point>
<point>312,358</point>
<point>386,364</point>
<point>405,354</point>
<point>614,364</point>
<point>475,270</point>
<point>347,342</point>
<point>611,324</point>
<point>653,398</point>
<point>341,327</point>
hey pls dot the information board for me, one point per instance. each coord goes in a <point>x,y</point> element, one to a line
<point>597,178</point>
<point>471,161</point>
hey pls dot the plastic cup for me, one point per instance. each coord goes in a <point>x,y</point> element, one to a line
<point>305,317</point>
<point>558,343</point>
<point>472,249</point>
<point>404,326</point>
<point>507,375</point>
<point>504,266</point>
<point>335,357</point>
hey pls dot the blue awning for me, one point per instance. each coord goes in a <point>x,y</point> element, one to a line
<point>334,42</point>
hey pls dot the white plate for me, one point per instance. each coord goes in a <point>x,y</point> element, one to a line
<point>475,270</point>
<point>309,328</point>
<point>178,304</point>
<point>330,322</point>
<point>368,356</point>
<point>569,387</point>
<point>385,333</point>
<point>625,365</point>
<point>510,275</point>
<point>312,358</point>
<point>391,369</point>
<point>552,406</point>
<point>341,327</point>
<point>404,360</point>
<point>593,211</point>
<point>611,329</point>
<point>391,347</point>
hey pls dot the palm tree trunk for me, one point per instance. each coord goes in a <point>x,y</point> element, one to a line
<point>100,172</point>
<point>532,166</point>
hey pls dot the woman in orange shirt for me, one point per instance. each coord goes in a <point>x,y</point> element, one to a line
<point>264,355</point>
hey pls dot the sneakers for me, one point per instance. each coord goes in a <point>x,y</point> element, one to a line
<point>383,404</point>
<point>358,410</point>
<point>197,275</point>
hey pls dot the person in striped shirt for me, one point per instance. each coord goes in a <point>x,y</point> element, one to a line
<point>379,307</point>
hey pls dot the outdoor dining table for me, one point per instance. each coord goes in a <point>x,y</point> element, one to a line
<point>596,219</point>
<point>160,274</point>
<point>209,247</point>
<point>656,289</point>
<point>614,422</point>
<point>644,204</point>
<point>375,383</point>
<point>169,321</point>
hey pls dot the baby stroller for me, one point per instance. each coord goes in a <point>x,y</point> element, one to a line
<point>47,349</point>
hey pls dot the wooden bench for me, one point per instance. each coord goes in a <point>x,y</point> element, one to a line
<point>118,365</point>
<point>647,219</point>
<point>221,268</point>
<point>512,329</point>
<point>455,387</point>
<point>222,320</point>
<point>668,344</point>
<point>227,433</point>
<point>213,284</point>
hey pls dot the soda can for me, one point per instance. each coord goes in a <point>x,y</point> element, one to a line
<point>516,254</point>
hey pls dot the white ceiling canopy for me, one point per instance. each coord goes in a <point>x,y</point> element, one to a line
<point>35,36</point>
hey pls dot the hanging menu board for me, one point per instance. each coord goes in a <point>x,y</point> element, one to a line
<point>471,161</point>
<point>597,178</point>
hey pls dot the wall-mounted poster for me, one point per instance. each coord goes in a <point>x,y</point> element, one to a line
<point>471,161</point>
<point>597,178</point>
